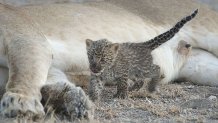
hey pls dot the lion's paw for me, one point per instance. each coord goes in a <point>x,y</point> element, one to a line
<point>77,104</point>
<point>18,105</point>
<point>69,102</point>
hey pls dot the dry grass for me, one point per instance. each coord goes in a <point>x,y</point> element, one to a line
<point>163,106</point>
<point>166,105</point>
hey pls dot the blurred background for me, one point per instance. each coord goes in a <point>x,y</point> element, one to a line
<point>212,3</point>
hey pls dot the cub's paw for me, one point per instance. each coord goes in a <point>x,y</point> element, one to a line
<point>137,86</point>
<point>95,89</point>
<point>18,105</point>
<point>78,105</point>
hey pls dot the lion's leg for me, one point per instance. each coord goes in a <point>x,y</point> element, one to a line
<point>201,68</point>
<point>208,42</point>
<point>28,64</point>
<point>3,79</point>
<point>64,97</point>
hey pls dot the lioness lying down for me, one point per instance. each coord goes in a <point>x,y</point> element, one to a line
<point>38,44</point>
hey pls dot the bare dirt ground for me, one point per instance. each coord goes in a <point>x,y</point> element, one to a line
<point>183,102</point>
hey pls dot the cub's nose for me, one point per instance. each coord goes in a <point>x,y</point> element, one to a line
<point>94,70</point>
<point>188,45</point>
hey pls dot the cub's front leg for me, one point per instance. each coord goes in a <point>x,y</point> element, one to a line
<point>122,87</point>
<point>95,88</point>
<point>137,85</point>
<point>28,63</point>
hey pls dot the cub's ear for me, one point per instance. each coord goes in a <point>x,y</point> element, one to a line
<point>114,47</point>
<point>88,42</point>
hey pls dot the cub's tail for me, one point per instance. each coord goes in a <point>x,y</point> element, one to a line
<point>164,37</point>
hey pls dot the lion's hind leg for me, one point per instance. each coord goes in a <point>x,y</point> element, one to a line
<point>3,79</point>
<point>68,101</point>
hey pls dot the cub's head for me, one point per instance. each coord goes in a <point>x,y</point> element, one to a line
<point>101,53</point>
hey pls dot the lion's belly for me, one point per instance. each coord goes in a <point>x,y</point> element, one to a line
<point>74,23</point>
<point>69,57</point>
<point>70,25</point>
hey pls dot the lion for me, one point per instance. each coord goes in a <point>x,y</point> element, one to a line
<point>39,44</point>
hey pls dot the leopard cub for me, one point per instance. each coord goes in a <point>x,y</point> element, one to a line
<point>113,62</point>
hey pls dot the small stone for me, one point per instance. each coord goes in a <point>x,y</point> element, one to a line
<point>195,97</point>
<point>185,111</point>
<point>190,87</point>
<point>210,110</point>
<point>212,98</point>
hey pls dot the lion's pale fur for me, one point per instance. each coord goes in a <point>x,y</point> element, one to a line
<point>67,26</point>
<point>102,22</point>
<point>32,36</point>
<point>73,23</point>
<point>201,68</point>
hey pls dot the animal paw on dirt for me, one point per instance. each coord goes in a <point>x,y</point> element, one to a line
<point>19,105</point>
<point>78,104</point>
<point>121,95</point>
<point>69,103</point>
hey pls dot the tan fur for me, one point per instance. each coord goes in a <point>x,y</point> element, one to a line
<point>30,35</point>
